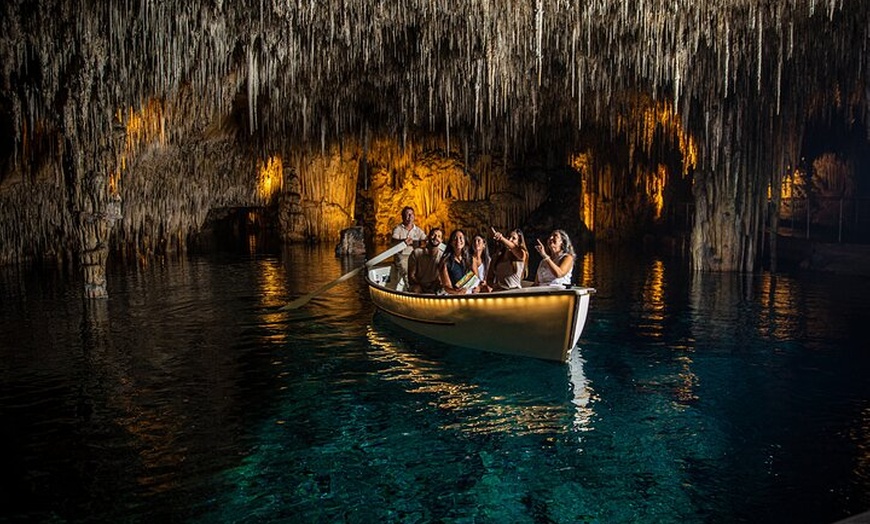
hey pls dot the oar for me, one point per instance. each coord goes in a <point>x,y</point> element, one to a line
<point>301,301</point>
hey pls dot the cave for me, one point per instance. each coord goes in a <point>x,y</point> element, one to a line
<point>124,124</point>
<point>252,230</point>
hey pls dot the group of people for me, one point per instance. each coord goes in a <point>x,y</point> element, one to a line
<point>428,265</point>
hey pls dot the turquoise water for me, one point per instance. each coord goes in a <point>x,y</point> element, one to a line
<point>188,397</point>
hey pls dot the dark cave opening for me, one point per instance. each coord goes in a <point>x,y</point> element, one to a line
<point>250,230</point>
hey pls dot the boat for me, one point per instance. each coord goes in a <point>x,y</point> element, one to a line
<point>542,322</point>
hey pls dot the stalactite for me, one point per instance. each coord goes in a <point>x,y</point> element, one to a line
<point>312,72</point>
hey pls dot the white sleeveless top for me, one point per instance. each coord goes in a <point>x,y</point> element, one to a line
<point>547,278</point>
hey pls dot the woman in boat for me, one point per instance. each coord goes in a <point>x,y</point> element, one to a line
<point>511,262</point>
<point>456,267</point>
<point>480,259</point>
<point>557,263</point>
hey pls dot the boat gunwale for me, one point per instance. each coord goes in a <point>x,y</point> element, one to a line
<point>524,291</point>
<point>403,307</point>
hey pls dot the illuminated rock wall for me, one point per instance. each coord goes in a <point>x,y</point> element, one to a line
<point>123,123</point>
<point>369,185</point>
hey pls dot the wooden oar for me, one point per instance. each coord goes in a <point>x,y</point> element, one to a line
<point>301,301</point>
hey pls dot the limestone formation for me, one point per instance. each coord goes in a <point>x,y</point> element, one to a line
<point>351,242</point>
<point>166,110</point>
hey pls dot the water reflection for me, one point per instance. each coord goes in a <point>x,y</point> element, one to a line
<point>113,387</point>
<point>655,306</point>
<point>653,301</point>
<point>582,392</point>
<point>785,309</point>
<point>657,328</point>
<point>272,286</point>
<point>170,358</point>
<point>586,270</point>
<point>715,304</point>
<point>523,397</point>
<point>779,312</point>
<point>308,268</point>
<point>186,396</point>
<point>860,436</point>
<point>790,313</point>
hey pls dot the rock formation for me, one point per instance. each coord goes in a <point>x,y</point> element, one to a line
<point>124,123</point>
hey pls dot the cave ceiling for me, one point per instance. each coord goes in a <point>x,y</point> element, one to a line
<point>297,74</point>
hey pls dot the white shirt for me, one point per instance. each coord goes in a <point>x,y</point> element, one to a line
<point>401,233</point>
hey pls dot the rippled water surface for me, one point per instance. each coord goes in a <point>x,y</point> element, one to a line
<point>187,396</point>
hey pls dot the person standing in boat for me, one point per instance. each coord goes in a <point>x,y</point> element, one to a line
<point>510,265</point>
<point>456,266</point>
<point>480,259</point>
<point>557,264</point>
<point>413,237</point>
<point>423,270</point>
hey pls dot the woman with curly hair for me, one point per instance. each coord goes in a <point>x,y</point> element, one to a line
<point>557,264</point>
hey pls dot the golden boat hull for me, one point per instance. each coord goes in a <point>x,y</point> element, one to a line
<point>539,322</point>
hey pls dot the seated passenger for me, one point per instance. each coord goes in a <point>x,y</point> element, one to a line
<point>456,267</point>
<point>511,262</point>
<point>480,259</point>
<point>557,265</point>
<point>423,274</point>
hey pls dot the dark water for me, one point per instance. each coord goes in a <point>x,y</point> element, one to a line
<point>187,397</point>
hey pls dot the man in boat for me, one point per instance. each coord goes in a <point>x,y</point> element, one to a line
<point>413,237</point>
<point>423,274</point>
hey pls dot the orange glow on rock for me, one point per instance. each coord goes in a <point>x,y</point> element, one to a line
<point>141,127</point>
<point>270,178</point>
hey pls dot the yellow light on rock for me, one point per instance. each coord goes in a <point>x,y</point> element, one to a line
<point>270,177</point>
<point>141,127</point>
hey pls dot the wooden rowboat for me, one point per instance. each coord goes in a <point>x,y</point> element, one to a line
<point>540,322</point>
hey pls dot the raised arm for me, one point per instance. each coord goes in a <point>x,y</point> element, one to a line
<point>513,247</point>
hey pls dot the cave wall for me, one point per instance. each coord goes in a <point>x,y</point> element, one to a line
<point>125,122</point>
<point>35,219</point>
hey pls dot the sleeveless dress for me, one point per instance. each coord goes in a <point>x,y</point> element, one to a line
<point>455,270</point>
<point>547,278</point>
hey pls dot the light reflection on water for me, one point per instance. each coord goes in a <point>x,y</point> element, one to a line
<point>509,403</point>
<point>189,395</point>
